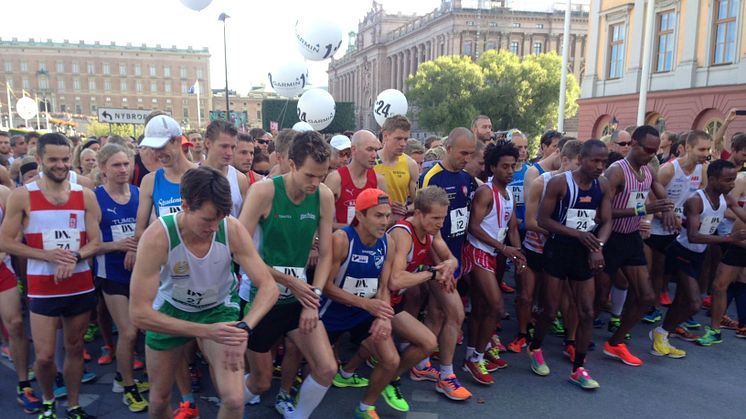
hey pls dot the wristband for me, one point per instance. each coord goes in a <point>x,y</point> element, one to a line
<point>640,210</point>
<point>432,277</point>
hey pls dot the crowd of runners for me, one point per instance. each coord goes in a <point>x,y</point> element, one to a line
<point>257,252</point>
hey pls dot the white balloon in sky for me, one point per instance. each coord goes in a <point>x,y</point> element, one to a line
<point>289,78</point>
<point>317,107</point>
<point>301,126</point>
<point>26,108</point>
<point>196,5</point>
<point>318,38</point>
<point>390,102</point>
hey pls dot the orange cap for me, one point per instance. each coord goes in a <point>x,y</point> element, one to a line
<point>185,142</point>
<point>370,198</point>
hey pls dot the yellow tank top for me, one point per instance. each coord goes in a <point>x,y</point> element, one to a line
<point>397,178</point>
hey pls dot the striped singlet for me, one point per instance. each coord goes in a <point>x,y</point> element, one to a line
<point>634,195</point>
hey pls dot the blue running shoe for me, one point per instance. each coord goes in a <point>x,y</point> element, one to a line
<point>60,389</point>
<point>692,324</point>
<point>28,400</point>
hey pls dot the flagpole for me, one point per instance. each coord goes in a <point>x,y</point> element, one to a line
<point>10,110</point>
<point>38,122</point>
<point>199,111</point>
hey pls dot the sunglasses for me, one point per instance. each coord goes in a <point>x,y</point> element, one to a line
<point>263,142</point>
<point>262,172</point>
<point>624,143</point>
<point>650,150</point>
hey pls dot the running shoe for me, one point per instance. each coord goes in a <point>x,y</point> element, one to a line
<point>77,412</point>
<point>495,343</point>
<point>581,378</point>
<point>614,323</point>
<point>451,388</point>
<point>393,397</point>
<point>494,362</point>
<point>59,388</point>
<point>91,333</point>
<point>728,323</point>
<point>186,410</point>
<point>517,344</point>
<point>107,355</point>
<point>277,372</point>
<point>558,328</point>
<point>355,381</point>
<point>285,405</point>
<point>256,399</point>
<point>741,332</point>
<point>478,372</point>
<point>48,411</point>
<point>118,385</point>
<point>427,374</point>
<point>370,413</point>
<point>710,337</point>
<point>683,334</point>
<point>134,401</point>
<point>507,289</point>
<point>653,316</point>
<point>137,363</point>
<point>692,324</point>
<point>622,353</point>
<point>707,302</point>
<point>195,377</point>
<point>569,352</point>
<point>28,400</point>
<point>665,299</point>
<point>662,347</point>
<point>87,377</point>
<point>86,355</point>
<point>538,365</point>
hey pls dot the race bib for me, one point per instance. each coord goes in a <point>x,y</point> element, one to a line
<point>298,273</point>
<point>122,231</point>
<point>169,210</point>
<point>350,213</point>
<point>517,191</point>
<point>501,233</point>
<point>459,221</point>
<point>362,287</point>
<point>194,298</point>
<point>637,199</point>
<point>709,225</point>
<point>64,238</point>
<point>581,219</point>
<point>678,212</point>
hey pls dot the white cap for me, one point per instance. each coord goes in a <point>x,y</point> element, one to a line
<point>159,130</point>
<point>340,142</point>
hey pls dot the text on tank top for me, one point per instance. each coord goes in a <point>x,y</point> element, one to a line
<point>52,227</point>
<point>496,222</point>
<point>397,178</point>
<point>166,195</point>
<point>633,195</point>
<point>117,223</point>
<point>577,209</point>
<point>709,220</point>
<point>345,205</point>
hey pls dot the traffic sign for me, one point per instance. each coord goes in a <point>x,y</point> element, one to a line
<point>123,116</point>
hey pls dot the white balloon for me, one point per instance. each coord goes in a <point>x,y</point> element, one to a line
<point>290,78</point>
<point>318,39</point>
<point>390,102</point>
<point>301,126</point>
<point>196,5</point>
<point>316,107</point>
<point>26,108</point>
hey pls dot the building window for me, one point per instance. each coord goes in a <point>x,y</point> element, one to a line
<point>122,69</point>
<point>493,24</point>
<point>123,85</point>
<point>92,85</point>
<point>184,88</point>
<point>166,71</point>
<point>42,66</point>
<point>516,25</point>
<point>78,108</point>
<point>106,68</point>
<point>107,85</point>
<point>491,45</point>
<point>514,47</point>
<point>76,68</point>
<point>76,85</point>
<point>91,68</point>
<point>60,84</point>
<point>470,23</point>
<point>94,108</point>
<point>666,26</point>
<point>167,87</point>
<point>183,72</point>
<point>8,67</point>
<point>43,83</point>
<point>24,67</point>
<point>25,84</point>
<point>713,126</point>
<point>616,50</point>
<point>151,71</point>
<point>468,48</point>
<point>153,87</point>
<point>138,70</point>
<point>60,67</point>
<point>186,111</point>
<point>108,99</point>
<point>538,46</point>
<point>539,26</point>
<point>138,86</point>
<point>200,74</point>
<point>725,32</point>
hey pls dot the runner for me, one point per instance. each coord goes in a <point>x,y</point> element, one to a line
<point>481,127</point>
<point>186,289</point>
<point>11,315</point>
<point>243,158</point>
<point>574,204</point>
<point>347,182</point>
<point>288,210</point>
<point>520,142</point>
<point>630,180</point>
<point>399,170</point>
<point>550,144</point>
<point>59,221</point>
<point>220,142</point>
<point>492,221</point>
<point>357,294</point>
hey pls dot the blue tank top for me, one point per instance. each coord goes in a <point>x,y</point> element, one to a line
<point>166,195</point>
<point>577,209</point>
<point>358,275</point>
<point>516,188</point>
<point>117,223</point>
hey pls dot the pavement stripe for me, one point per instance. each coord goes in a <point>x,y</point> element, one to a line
<point>422,415</point>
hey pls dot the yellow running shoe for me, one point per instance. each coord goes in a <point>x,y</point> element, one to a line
<point>662,347</point>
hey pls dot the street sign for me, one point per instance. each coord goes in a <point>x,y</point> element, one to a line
<point>123,116</point>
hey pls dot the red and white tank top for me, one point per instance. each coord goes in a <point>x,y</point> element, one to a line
<point>495,223</point>
<point>418,257</point>
<point>348,192</point>
<point>53,226</point>
<point>634,195</point>
<point>6,258</point>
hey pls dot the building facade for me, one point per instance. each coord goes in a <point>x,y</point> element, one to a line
<point>389,47</point>
<point>251,103</point>
<point>698,65</point>
<point>76,79</point>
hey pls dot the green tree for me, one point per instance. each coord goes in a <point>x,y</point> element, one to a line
<point>124,130</point>
<point>284,112</point>
<point>446,92</point>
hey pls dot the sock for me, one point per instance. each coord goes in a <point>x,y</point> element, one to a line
<point>445,371</point>
<point>23,384</point>
<point>47,401</point>
<point>579,361</point>
<point>309,396</point>
<point>423,364</point>
<point>476,357</point>
<point>363,407</point>
<point>59,351</point>
<point>618,297</point>
<point>661,330</point>
<point>188,397</point>
<point>345,374</point>
<point>469,352</point>
<point>248,396</point>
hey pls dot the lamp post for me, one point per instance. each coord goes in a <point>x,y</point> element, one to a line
<point>222,18</point>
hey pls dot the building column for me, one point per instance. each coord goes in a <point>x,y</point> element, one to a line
<point>390,83</point>
<point>400,77</point>
<point>588,88</point>
<point>576,61</point>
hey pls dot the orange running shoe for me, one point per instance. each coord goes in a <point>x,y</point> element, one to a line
<point>665,299</point>
<point>622,353</point>
<point>107,355</point>
<point>451,388</point>
<point>86,355</point>
<point>517,344</point>
<point>186,410</point>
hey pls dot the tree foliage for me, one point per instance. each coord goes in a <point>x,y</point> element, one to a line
<point>514,92</point>
<point>98,129</point>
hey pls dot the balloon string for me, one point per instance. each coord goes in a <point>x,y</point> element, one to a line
<point>282,112</point>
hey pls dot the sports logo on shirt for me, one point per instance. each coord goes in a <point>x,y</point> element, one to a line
<point>307,216</point>
<point>359,259</point>
<point>73,222</point>
<point>585,199</point>
<point>180,268</point>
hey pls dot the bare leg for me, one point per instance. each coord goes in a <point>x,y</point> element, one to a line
<point>162,366</point>
<point>74,328</point>
<point>10,312</point>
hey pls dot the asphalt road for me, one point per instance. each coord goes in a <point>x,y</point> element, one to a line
<point>709,382</point>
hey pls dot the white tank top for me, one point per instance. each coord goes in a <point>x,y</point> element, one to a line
<point>495,224</point>
<point>709,221</point>
<point>535,241</point>
<point>195,284</point>
<point>679,189</point>
<point>235,192</point>
<point>726,226</point>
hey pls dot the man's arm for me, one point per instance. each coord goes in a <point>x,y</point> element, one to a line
<point>86,182</point>
<point>414,175</point>
<point>604,212</point>
<point>324,266</point>
<point>334,182</point>
<point>532,205</point>
<point>528,178</point>
<point>693,208</point>
<point>400,277</point>
<point>145,205</point>
<point>381,183</point>
<point>92,220</point>
<point>718,140</point>
<point>243,184</point>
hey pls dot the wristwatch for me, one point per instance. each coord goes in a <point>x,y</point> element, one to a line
<point>243,326</point>
<point>77,256</point>
<point>434,272</point>
<point>317,291</point>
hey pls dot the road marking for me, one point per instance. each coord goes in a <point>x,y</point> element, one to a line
<point>422,415</point>
<point>84,400</point>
